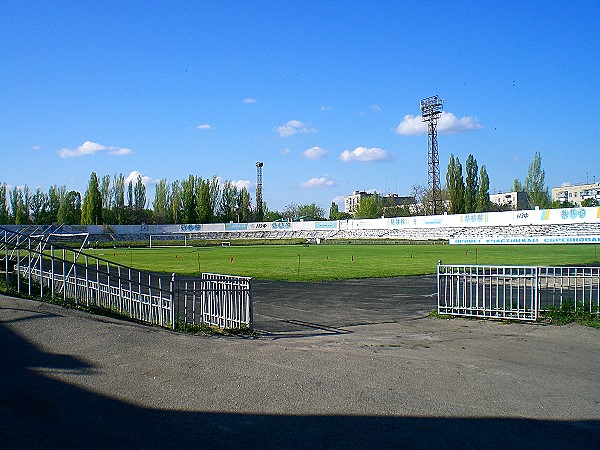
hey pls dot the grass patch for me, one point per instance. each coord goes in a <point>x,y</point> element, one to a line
<point>343,261</point>
<point>436,315</point>
<point>569,313</point>
<point>211,330</point>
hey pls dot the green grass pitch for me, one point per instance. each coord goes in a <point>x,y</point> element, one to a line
<point>334,262</point>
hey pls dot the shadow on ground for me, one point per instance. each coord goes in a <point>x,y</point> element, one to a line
<point>39,411</point>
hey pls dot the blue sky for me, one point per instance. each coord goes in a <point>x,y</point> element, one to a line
<point>325,93</point>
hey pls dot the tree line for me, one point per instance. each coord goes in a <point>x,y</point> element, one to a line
<point>112,200</point>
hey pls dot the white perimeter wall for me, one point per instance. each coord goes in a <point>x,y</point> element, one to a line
<point>491,219</point>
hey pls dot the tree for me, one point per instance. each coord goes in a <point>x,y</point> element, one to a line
<point>130,194</point>
<point>227,200</point>
<point>455,186</point>
<point>105,194</point>
<point>3,205</point>
<point>91,209</point>
<point>244,205</point>
<point>518,186</point>
<point>189,199</point>
<point>537,192</point>
<point>56,194</point>
<point>483,193</point>
<point>118,201</point>
<point>18,213</point>
<point>471,184</point>
<point>290,212</point>
<point>589,202</point>
<point>334,211</point>
<point>69,211</point>
<point>214,194</point>
<point>139,194</point>
<point>161,203</point>
<point>271,216</point>
<point>205,210</point>
<point>557,204</point>
<point>38,206</point>
<point>368,208</point>
<point>312,211</point>
<point>336,214</point>
<point>176,202</point>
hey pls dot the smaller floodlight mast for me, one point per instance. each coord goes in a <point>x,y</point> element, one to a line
<point>431,110</point>
<point>259,200</point>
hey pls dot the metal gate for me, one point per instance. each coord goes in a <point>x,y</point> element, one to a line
<point>515,292</point>
<point>224,301</point>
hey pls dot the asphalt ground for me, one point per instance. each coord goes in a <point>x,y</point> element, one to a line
<point>282,307</point>
<point>358,369</point>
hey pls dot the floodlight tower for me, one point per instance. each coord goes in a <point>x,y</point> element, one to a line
<point>431,110</point>
<point>259,200</point>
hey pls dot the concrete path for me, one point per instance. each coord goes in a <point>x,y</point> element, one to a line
<point>70,380</point>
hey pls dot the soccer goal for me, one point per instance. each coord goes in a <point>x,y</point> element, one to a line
<point>168,240</point>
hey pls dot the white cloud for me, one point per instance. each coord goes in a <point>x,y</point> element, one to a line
<point>317,183</point>
<point>242,184</point>
<point>339,199</point>
<point>36,147</point>
<point>315,153</point>
<point>286,151</point>
<point>326,108</point>
<point>293,127</point>
<point>375,108</point>
<point>249,100</point>
<point>133,176</point>
<point>204,126</point>
<point>448,123</point>
<point>89,148</point>
<point>365,154</point>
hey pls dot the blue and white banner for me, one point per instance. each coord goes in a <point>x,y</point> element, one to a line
<point>525,240</point>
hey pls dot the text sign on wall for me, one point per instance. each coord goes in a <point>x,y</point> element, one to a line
<point>528,240</point>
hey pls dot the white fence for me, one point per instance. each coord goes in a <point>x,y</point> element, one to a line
<point>224,301</point>
<point>81,279</point>
<point>515,292</point>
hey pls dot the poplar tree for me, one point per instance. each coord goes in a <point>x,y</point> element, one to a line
<point>483,193</point>
<point>535,182</point>
<point>69,211</point>
<point>189,200</point>
<point>456,186</point>
<point>3,205</point>
<point>471,184</point>
<point>139,194</point>
<point>227,202</point>
<point>91,210</point>
<point>162,201</point>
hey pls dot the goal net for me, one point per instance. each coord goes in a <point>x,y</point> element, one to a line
<point>168,240</point>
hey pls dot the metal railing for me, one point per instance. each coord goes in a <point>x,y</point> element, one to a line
<point>38,270</point>
<point>515,292</point>
<point>224,301</point>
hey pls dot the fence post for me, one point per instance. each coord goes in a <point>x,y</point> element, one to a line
<point>6,261</point>
<point>536,300</point>
<point>250,317</point>
<point>29,280</point>
<point>439,264</point>
<point>41,273</point>
<point>173,301</point>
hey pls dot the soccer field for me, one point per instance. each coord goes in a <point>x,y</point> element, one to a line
<point>333,262</point>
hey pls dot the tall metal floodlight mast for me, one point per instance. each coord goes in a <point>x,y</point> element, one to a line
<point>431,109</point>
<point>259,200</point>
